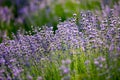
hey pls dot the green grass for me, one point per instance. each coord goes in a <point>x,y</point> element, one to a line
<point>48,69</point>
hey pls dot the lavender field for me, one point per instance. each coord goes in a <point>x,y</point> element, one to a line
<point>83,45</point>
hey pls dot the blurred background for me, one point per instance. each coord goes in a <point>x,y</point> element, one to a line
<point>22,14</point>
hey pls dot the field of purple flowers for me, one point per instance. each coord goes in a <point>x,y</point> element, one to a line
<point>84,47</point>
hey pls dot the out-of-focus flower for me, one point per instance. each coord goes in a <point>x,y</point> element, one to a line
<point>65,70</point>
<point>5,14</point>
<point>96,62</point>
<point>29,77</point>
<point>39,78</point>
<point>87,62</point>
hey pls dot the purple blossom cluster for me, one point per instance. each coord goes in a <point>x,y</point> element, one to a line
<point>5,19</point>
<point>106,9</point>
<point>5,15</point>
<point>100,61</point>
<point>33,5</point>
<point>99,32</point>
<point>30,8</point>
<point>91,33</point>
<point>67,36</point>
<point>65,70</point>
<point>20,9</point>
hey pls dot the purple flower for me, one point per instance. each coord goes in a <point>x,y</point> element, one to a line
<point>39,78</point>
<point>5,14</point>
<point>29,77</point>
<point>66,71</point>
<point>96,62</point>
